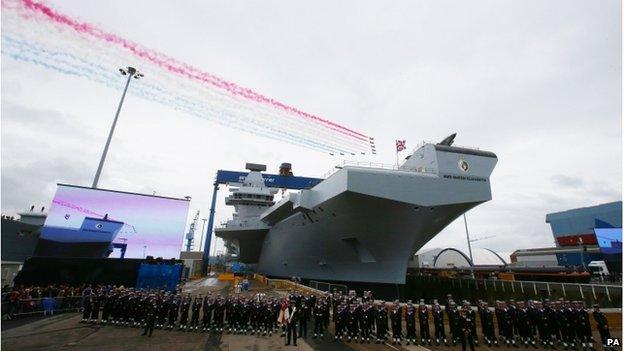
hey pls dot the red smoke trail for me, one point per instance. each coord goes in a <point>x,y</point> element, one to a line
<point>181,68</point>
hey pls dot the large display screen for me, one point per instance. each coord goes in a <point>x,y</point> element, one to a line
<point>86,222</point>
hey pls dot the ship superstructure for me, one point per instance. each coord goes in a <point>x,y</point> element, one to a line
<point>364,221</point>
<point>244,233</point>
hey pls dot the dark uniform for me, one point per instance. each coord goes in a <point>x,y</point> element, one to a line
<point>207,306</point>
<point>438,324</point>
<point>304,317</point>
<point>423,318</point>
<point>603,326</point>
<point>352,323</point>
<point>184,312</point>
<point>466,323</point>
<point>366,322</point>
<point>150,319</point>
<point>341,322</point>
<point>196,307</point>
<point>107,307</point>
<point>410,323</point>
<point>506,325</point>
<point>172,313</point>
<point>453,317</point>
<point>319,318</point>
<point>86,308</point>
<point>524,326</point>
<point>396,319</point>
<point>487,325</point>
<point>291,325</point>
<point>381,322</point>
<point>583,328</point>
<point>569,322</point>
<point>95,309</point>
<point>219,313</point>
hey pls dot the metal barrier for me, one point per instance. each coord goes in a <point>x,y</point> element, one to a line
<point>328,287</point>
<point>377,165</point>
<point>283,284</point>
<point>434,287</point>
<point>45,305</point>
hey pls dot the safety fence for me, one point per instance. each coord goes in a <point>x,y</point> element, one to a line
<point>328,287</point>
<point>283,284</point>
<point>46,306</point>
<point>434,287</point>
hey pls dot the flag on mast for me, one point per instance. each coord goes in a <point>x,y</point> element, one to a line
<point>400,145</point>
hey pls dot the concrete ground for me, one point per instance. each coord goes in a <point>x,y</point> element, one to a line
<point>64,332</point>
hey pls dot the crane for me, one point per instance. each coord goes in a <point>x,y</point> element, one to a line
<point>190,236</point>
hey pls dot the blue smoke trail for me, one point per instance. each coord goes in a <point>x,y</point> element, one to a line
<point>95,72</point>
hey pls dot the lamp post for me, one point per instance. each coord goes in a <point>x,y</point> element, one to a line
<point>201,241</point>
<point>468,239</point>
<point>131,72</point>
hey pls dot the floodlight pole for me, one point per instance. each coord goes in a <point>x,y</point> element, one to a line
<point>468,239</point>
<point>131,72</point>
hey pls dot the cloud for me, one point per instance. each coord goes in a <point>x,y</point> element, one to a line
<point>537,83</point>
<point>567,181</point>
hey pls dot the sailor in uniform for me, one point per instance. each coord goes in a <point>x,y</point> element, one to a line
<point>184,312</point>
<point>410,323</point>
<point>396,319</point>
<point>366,319</point>
<point>423,318</point>
<point>466,326</point>
<point>583,328</point>
<point>487,324</point>
<point>352,322</point>
<point>207,305</point>
<point>290,316</point>
<point>219,312</point>
<point>438,324</point>
<point>172,312</point>
<point>319,318</point>
<point>381,322</point>
<point>602,325</point>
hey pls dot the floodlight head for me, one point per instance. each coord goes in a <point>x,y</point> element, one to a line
<point>122,71</point>
<point>131,70</point>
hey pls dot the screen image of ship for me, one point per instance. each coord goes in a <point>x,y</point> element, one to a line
<point>93,239</point>
<point>363,222</point>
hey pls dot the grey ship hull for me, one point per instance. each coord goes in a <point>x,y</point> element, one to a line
<point>363,224</point>
<point>363,238</point>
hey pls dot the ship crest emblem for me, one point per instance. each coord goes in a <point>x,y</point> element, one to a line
<point>99,226</point>
<point>463,165</point>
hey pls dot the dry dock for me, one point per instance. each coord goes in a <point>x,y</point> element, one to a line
<point>64,332</point>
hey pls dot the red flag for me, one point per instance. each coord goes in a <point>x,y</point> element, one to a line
<point>400,145</point>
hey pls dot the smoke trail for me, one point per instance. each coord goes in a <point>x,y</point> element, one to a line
<point>78,67</point>
<point>175,66</point>
<point>86,66</point>
<point>268,116</point>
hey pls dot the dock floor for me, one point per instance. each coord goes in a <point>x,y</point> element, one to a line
<point>64,332</point>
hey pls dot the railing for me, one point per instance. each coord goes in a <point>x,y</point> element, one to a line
<point>46,305</point>
<point>433,287</point>
<point>328,287</point>
<point>283,284</point>
<point>377,165</point>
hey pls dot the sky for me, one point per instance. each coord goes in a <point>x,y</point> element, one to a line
<point>539,83</point>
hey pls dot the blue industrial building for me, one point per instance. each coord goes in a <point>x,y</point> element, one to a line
<point>588,234</point>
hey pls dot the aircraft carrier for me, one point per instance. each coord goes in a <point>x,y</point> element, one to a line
<point>363,222</point>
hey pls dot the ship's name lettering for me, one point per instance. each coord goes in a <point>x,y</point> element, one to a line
<point>461,177</point>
